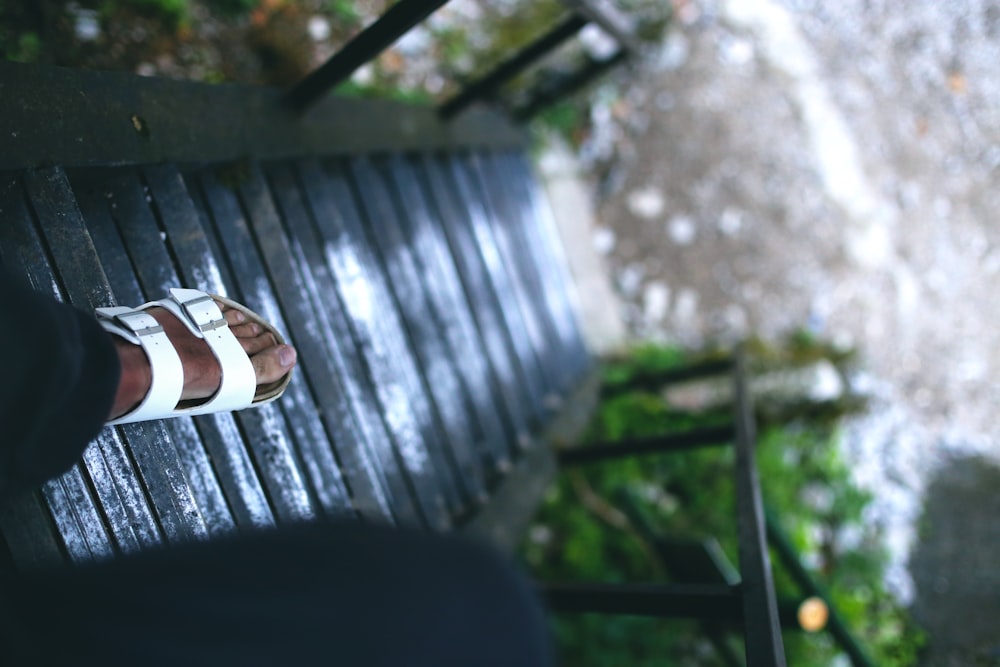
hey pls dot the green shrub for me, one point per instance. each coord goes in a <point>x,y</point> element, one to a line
<point>231,7</point>
<point>581,533</point>
<point>173,13</point>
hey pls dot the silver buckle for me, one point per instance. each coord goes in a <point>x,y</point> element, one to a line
<point>143,331</point>
<point>213,325</point>
<point>194,302</point>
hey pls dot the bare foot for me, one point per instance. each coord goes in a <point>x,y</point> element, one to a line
<point>202,374</point>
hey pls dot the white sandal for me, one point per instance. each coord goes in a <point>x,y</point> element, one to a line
<point>203,317</point>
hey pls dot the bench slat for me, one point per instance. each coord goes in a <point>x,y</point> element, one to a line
<point>439,377</point>
<point>422,237</point>
<point>268,436</point>
<point>149,443</point>
<point>461,215</point>
<point>198,267</point>
<point>376,333</point>
<point>520,239</point>
<point>73,508</point>
<point>477,218</point>
<point>312,339</point>
<point>522,277</point>
<point>335,370</point>
<point>540,225</point>
<point>391,359</point>
<point>105,197</point>
<point>502,264</point>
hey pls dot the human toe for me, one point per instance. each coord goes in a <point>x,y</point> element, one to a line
<point>272,363</point>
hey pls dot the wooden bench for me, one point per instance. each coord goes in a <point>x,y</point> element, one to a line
<point>421,288</point>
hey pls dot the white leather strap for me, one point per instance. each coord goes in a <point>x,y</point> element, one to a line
<point>239,381</point>
<point>202,316</point>
<point>167,373</point>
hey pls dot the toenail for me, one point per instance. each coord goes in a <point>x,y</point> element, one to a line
<point>286,355</point>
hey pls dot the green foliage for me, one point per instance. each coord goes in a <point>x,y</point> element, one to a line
<point>582,535</point>
<point>375,91</point>
<point>231,7</point>
<point>20,38</point>
<point>27,49</point>
<point>343,10</point>
<point>173,13</point>
<point>563,118</point>
<point>800,348</point>
<point>645,358</point>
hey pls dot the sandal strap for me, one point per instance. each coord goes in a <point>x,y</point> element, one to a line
<point>202,315</point>
<point>167,373</point>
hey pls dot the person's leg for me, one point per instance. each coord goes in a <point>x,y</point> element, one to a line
<point>60,376</point>
<point>346,595</point>
<point>201,370</point>
<point>64,377</point>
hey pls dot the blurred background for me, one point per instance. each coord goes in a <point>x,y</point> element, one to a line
<point>817,178</point>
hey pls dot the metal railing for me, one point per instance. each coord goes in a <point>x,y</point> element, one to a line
<point>406,14</point>
<point>750,602</point>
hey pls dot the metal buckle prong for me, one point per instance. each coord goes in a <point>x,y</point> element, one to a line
<point>144,331</point>
<point>213,325</point>
<point>195,302</point>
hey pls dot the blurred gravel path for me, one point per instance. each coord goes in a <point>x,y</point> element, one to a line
<point>802,163</point>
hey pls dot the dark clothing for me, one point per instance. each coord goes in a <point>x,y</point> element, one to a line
<point>342,594</point>
<point>60,373</point>
<point>347,595</point>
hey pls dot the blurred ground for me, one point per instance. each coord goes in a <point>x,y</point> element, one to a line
<point>797,163</point>
<point>955,568</point>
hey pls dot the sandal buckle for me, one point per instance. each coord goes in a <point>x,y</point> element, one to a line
<point>142,326</point>
<point>213,325</point>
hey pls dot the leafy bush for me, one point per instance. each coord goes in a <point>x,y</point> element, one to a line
<point>231,7</point>
<point>172,12</point>
<point>582,534</point>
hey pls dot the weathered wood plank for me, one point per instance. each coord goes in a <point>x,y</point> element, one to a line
<point>394,371</point>
<point>79,526</point>
<point>438,378</point>
<point>506,354</point>
<point>298,296</point>
<point>522,329</point>
<point>149,444</point>
<point>522,277</point>
<point>376,331</point>
<point>199,268</point>
<point>53,115</point>
<point>139,269</point>
<point>335,368</point>
<point>525,248</point>
<point>120,277</point>
<point>550,254</point>
<point>268,435</point>
<point>422,237</point>
<point>309,437</point>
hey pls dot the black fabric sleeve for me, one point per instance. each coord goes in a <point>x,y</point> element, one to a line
<point>60,378</point>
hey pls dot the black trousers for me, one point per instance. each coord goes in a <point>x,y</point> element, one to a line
<point>321,594</point>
